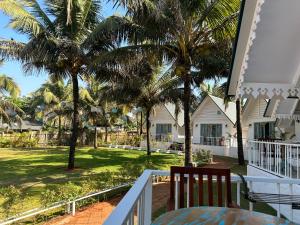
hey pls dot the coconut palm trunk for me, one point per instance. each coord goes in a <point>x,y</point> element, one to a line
<point>74,137</point>
<point>106,133</point>
<point>141,124</point>
<point>148,131</point>
<point>239,133</point>
<point>59,130</point>
<point>187,126</point>
<point>95,138</point>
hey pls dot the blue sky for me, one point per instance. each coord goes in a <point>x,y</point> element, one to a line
<point>29,83</point>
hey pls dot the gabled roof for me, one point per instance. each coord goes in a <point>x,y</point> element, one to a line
<point>266,59</point>
<point>229,111</point>
<point>171,109</point>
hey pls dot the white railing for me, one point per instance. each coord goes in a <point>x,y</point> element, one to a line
<point>70,206</point>
<point>136,206</point>
<point>279,158</point>
<point>211,141</point>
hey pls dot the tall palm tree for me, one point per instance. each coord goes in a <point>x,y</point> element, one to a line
<point>239,133</point>
<point>53,96</point>
<point>96,107</point>
<point>188,34</point>
<point>148,91</point>
<point>63,38</point>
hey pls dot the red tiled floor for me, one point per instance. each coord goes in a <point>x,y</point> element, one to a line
<point>96,214</point>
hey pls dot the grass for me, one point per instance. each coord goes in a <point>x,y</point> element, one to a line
<point>35,169</point>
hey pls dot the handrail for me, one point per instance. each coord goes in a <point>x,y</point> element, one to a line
<point>271,142</point>
<point>125,209</point>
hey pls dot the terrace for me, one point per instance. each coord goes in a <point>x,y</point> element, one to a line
<point>136,206</point>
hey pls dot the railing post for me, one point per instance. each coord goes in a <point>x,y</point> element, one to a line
<point>68,208</point>
<point>238,192</point>
<point>73,208</point>
<point>148,202</point>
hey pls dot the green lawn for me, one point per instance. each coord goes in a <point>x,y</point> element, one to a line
<point>36,169</point>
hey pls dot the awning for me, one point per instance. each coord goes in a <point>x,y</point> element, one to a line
<point>267,54</point>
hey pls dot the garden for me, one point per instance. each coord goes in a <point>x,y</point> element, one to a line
<point>35,178</point>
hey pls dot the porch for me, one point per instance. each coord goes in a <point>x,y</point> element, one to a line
<point>136,206</point>
<point>281,159</point>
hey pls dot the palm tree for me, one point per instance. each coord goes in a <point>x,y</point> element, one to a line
<point>9,91</point>
<point>148,90</point>
<point>96,106</point>
<point>63,40</point>
<point>188,34</point>
<point>220,90</point>
<point>52,96</point>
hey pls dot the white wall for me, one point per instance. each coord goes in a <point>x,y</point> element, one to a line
<point>162,116</point>
<point>272,189</point>
<point>254,114</point>
<point>208,114</point>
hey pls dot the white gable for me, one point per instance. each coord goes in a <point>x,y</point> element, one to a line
<point>213,108</point>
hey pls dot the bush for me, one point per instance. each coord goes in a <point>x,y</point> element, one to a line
<point>12,197</point>
<point>19,140</point>
<point>202,157</point>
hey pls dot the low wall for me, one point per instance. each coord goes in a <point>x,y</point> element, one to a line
<point>221,150</point>
<point>286,210</point>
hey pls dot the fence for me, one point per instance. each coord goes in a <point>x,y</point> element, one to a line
<point>279,158</point>
<point>70,206</point>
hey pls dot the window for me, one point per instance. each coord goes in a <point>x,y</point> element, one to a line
<point>264,130</point>
<point>163,131</point>
<point>211,134</point>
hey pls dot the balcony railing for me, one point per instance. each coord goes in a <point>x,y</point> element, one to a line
<point>279,158</point>
<point>212,141</point>
<point>136,205</point>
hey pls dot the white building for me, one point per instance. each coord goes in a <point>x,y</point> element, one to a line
<point>255,124</point>
<point>266,65</point>
<point>213,125</point>
<point>165,125</point>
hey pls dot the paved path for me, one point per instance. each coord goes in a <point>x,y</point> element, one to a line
<point>97,213</point>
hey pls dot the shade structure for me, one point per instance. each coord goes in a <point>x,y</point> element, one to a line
<point>267,54</point>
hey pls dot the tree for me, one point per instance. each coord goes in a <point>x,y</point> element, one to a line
<point>63,40</point>
<point>96,106</point>
<point>148,90</point>
<point>220,91</point>
<point>185,33</point>
<point>52,97</point>
<point>9,91</point>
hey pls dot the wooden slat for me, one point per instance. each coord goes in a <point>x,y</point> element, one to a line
<point>200,185</point>
<point>210,190</point>
<point>191,190</point>
<point>228,189</point>
<point>219,184</point>
<point>181,191</point>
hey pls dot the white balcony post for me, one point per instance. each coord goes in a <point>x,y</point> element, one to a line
<point>73,208</point>
<point>148,202</point>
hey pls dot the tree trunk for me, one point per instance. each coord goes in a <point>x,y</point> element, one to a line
<point>148,131</point>
<point>239,133</point>
<point>106,134</point>
<point>95,138</point>
<point>59,130</point>
<point>75,121</point>
<point>141,124</point>
<point>187,127</point>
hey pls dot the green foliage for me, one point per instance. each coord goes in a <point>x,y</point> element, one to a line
<point>12,197</point>
<point>202,157</point>
<point>19,140</point>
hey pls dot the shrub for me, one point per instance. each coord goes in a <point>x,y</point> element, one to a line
<point>13,196</point>
<point>202,157</point>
